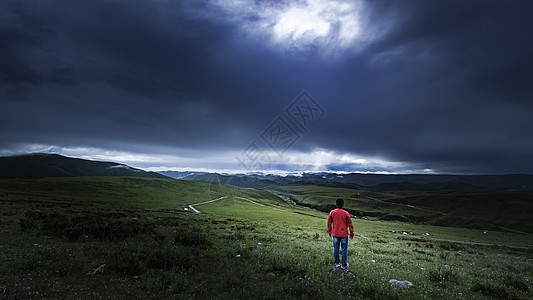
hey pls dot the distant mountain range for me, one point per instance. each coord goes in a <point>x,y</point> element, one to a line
<point>41,165</point>
<point>373,182</point>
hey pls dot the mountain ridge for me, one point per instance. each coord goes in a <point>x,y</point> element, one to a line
<point>373,182</point>
<point>44,165</point>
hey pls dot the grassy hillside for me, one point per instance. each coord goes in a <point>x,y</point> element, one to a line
<point>146,193</point>
<point>42,165</point>
<point>360,203</point>
<point>480,209</point>
<point>250,244</point>
<point>503,211</point>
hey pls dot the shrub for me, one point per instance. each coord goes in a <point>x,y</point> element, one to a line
<point>136,258</point>
<point>283,264</point>
<point>444,275</point>
<point>176,282</point>
<point>490,290</point>
<point>191,237</point>
<point>516,282</point>
<point>451,246</point>
<point>166,257</point>
<point>125,262</point>
<point>101,226</point>
<point>49,260</point>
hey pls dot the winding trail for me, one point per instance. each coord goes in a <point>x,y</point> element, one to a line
<point>192,206</point>
<point>259,204</point>
<point>404,205</point>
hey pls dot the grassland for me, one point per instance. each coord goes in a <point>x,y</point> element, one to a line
<point>501,211</point>
<point>54,231</point>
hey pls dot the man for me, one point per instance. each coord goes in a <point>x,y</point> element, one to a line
<point>338,223</point>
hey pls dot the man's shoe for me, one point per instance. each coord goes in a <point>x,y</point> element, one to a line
<point>337,265</point>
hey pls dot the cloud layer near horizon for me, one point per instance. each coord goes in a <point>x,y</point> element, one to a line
<point>444,85</point>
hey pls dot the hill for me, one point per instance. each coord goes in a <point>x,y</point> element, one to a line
<point>41,165</point>
<point>502,211</point>
<point>486,202</point>
<point>124,237</point>
<point>239,180</point>
<point>508,182</point>
<point>372,182</point>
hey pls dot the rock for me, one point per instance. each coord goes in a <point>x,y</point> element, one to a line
<point>403,284</point>
<point>96,271</point>
<point>349,273</point>
<point>344,272</point>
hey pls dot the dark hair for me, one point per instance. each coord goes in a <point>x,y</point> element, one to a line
<point>339,202</point>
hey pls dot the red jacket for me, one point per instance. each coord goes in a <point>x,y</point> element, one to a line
<point>338,223</point>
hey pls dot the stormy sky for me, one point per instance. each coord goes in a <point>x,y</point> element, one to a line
<point>370,86</point>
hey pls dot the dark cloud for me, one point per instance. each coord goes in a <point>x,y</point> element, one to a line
<point>444,89</point>
<point>435,85</point>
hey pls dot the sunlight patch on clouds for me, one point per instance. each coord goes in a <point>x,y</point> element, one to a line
<point>321,158</point>
<point>306,26</point>
<point>299,23</point>
<point>291,162</point>
<point>325,160</point>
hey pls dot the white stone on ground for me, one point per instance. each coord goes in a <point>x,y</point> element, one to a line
<point>403,284</point>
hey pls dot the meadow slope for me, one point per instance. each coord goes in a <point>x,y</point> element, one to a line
<point>249,244</point>
<point>501,210</point>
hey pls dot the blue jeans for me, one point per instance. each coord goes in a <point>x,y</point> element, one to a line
<point>344,245</point>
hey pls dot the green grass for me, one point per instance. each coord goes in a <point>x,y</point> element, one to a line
<point>53,231</point>
<point>124,191</point>
<point>480,209</point>
<point>501,211</point>
<point>356,201</point>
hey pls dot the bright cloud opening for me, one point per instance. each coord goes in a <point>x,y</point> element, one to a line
<point>318,160</point>
<point>298,23</point>
<point>324,26</point>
